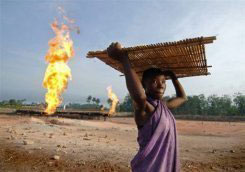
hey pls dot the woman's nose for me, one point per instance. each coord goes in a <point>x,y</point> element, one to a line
<point>160,85</point>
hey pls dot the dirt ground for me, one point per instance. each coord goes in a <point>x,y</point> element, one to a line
<point>59,144</point>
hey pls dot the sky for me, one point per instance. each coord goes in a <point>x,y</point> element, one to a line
<point>25,31</point>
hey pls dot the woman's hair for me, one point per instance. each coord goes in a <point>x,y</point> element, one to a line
<point>150,73</point>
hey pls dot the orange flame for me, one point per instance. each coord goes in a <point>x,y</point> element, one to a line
<point>57,73</point>
<point>112,96</point>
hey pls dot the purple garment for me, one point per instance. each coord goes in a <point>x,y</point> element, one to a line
<point>158,142</point>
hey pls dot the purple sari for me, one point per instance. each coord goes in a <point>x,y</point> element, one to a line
<point>158,142</point>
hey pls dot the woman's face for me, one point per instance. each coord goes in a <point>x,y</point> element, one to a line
<point>156,86</point>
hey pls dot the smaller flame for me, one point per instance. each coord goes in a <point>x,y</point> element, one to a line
<point>113,97</point>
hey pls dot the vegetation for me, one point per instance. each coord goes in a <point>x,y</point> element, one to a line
<point>201,105</point>
<point>12,103</point>
<point>94,100</point>
<point>212,105</point>
<point>126,105</point>
<point>92,103</point>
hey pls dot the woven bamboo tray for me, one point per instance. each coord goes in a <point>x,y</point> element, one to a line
<point>185,58</point>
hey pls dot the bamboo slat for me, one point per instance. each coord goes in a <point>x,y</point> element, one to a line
<point>185,57</point>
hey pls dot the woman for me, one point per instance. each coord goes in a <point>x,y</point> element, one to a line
<point>157,135</point>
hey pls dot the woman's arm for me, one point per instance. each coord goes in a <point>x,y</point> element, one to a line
<point>180,93</point>
<point>133,82</point>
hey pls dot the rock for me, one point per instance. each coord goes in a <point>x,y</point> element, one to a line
<point>64,146</point>
<point>64,134</point>
<point>86,138</point>
<point>237,166</point>
<point>213,151</point>
<point>56,157</point>
<point>232,151</point>
<point>51,135</point>
<point>28,142</point>
<point>50,163</point>
<point>13,137</point>
<point>38,148</point>
<point>64,152</point>
<point>36,120</point>
<point>86,135</point>
<point>9,130</point>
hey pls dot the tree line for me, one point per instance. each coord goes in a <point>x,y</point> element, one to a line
<point>196,105</point>
<point>201,105</point>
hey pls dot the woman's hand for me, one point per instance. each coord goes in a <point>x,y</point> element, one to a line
<point>115,51</point>
<point>171,74</point>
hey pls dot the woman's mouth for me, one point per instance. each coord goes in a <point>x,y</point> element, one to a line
<point>159,92</point>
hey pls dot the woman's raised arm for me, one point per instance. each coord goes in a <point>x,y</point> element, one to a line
<point>133,82</point>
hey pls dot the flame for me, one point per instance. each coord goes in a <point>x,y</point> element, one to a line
<point>112,96</point>
<point>57,73</point>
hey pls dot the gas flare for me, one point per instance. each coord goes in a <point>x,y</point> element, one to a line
<point>58,72</point>
<point>113,97</point>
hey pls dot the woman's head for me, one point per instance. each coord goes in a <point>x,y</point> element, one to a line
<point>154,83</point>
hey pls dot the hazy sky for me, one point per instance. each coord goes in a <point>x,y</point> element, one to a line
<point>25,32</point>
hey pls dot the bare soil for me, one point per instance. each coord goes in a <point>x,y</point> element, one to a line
<point>60,144</point>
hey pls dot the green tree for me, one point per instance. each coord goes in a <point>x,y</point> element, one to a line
<point>20,102</point>
<point>193,106</point>
<point>127,104</point>
<point>12,102</point>
<point>213,105</point>
<point>225,105</point>
<point>239,102</point>
<point>219,105</point>
<point>97,101</point>
<point>94,100</point>
<point>89,98</point>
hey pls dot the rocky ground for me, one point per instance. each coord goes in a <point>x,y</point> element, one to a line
<point>59,144</point>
